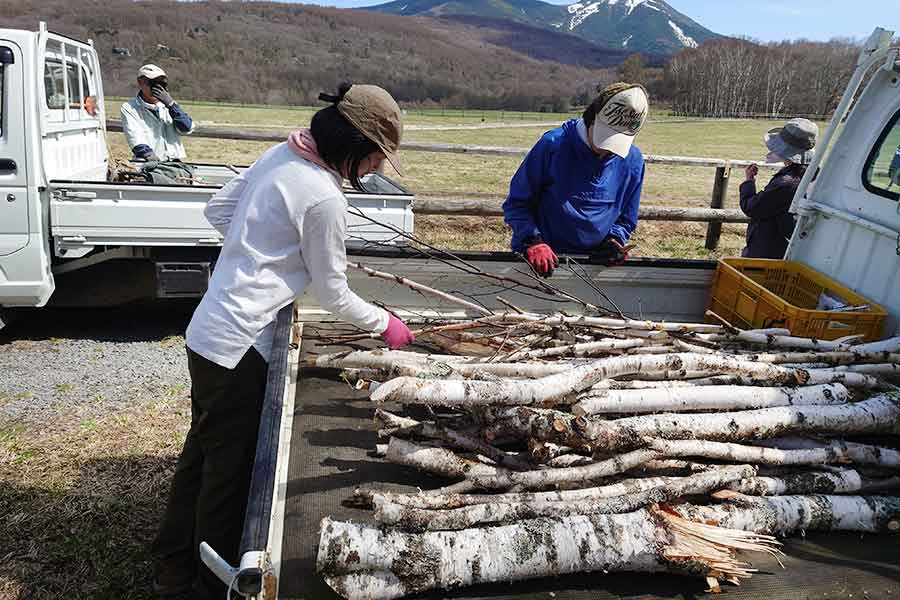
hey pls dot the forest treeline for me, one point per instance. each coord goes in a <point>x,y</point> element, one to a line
<point>277,53</point>
<point>739,78</point>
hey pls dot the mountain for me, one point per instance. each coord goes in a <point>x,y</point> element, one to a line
<point>647,26</point>
<point>279,53</point>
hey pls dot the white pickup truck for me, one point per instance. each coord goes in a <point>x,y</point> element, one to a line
<point>316,430</point>
<point>63,225</point>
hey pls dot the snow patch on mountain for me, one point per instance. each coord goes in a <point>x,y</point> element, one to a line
<point>686,40</point>
<point>582,10</point>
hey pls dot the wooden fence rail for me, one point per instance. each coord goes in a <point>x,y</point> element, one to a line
<point>492,207</point>
<point>715,215</point>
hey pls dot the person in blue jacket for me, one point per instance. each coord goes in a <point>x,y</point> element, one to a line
<point>579,187</point>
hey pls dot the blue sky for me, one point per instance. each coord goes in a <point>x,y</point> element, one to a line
<point>770,20</point>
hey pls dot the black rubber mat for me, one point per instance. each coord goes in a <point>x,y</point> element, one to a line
<point>333,431</point>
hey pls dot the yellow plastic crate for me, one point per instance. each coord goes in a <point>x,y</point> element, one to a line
<point>754,293</point>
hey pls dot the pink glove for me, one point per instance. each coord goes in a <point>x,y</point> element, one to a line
<point>397,333</point>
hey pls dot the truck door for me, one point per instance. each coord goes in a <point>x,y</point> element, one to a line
<point>13,182</point>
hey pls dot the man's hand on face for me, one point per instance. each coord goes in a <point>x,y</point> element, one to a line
<point>161,93</point>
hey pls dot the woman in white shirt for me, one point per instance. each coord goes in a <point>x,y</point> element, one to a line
<point>284,223</point>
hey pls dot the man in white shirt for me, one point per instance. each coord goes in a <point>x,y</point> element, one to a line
<point>152,121</point>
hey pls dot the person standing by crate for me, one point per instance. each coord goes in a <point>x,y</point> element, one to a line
<point>771,225</point>
<point>285,222</point>
<point>578,189</point>
<point>152,121</point>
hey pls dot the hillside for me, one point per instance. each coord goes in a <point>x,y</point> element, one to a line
<point>275,53</point>
<point>647,26</point>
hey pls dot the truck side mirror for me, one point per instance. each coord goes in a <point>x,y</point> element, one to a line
<point>6,56</point>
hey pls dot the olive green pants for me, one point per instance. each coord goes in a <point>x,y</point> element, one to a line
<point>208,497</point>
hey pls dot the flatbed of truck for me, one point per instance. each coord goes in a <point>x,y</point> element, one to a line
<point>333,433</point>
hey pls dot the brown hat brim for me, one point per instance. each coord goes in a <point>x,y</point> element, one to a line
<point>395,161</point>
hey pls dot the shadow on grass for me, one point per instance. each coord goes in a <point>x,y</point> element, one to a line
<point>86,536</point>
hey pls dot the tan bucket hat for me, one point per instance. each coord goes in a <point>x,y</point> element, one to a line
<point>376,115</point>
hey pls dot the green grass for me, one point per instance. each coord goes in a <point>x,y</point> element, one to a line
<point>78,521</point>
<point>434,174</point>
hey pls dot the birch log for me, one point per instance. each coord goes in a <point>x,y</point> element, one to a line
<point>451,501</point>
<point>806,482</point>
<point>813,377</point>
<point>555,388</point>
<point>851,452</point>
<point>695,399</point>
<point>850,356</point>
<point>879,414</point>
<point>786,514</point>
<point>417,519</point>
<point>456,438</point>
<point>832,453</point>
<point>361,562</point>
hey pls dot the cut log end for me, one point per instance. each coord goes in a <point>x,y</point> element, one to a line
<point>711,550</point>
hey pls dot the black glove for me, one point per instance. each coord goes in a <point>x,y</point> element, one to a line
<point>162,94</point>
<point>610,252</point>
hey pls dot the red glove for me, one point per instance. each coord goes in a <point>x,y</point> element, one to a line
<point>397,333</point>
<point>542,258</point>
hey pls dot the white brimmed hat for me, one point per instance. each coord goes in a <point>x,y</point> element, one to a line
<point>151,72</point>
<point>619,120</point>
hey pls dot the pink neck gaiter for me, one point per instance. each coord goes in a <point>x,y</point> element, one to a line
<point>304,145</point>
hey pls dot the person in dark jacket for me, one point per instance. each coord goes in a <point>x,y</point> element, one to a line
<point>894,169</point>
<point>579,187</point>
<point>771,225</point>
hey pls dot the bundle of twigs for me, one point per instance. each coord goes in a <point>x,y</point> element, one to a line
<point>565,440</point>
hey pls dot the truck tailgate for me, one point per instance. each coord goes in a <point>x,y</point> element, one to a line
<point>333,431</point>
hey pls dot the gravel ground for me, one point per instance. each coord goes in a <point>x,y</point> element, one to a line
<point>52,360</point>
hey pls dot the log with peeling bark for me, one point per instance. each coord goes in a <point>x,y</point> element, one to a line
<point>365,497</point>
<point>833,452</point>
<point>804,482</point>
<point>879,414</point>
<point>556,388</point>
<point>786,514</point>
<point>417,519</point>
<point>706,398</point>
<point>458,439</point>
<point>364,562</point>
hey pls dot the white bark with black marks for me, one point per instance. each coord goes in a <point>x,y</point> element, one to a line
<point>417,519</point>
<point>362,562</point>
<point>805,482</point>
<point>832,452</point>
<point>696,399</point>
<point>879,414</point>
<point>555,388</point>
<point>786,514</point>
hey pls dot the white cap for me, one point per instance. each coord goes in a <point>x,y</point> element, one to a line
<point>151,72</point>
<point>619,121</point>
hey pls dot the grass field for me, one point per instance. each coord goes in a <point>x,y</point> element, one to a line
<point>432,174</point>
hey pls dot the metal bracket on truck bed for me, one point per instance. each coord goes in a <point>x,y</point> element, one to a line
<point>256,575</point>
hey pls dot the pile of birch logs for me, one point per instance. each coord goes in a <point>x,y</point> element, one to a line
<point>576,444</point>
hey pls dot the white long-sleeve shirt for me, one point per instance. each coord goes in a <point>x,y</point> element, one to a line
<point>285,224</point>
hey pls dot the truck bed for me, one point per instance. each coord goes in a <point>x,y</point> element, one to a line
<point>333,431</point>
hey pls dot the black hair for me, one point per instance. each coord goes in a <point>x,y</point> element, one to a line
<point>340,143</point>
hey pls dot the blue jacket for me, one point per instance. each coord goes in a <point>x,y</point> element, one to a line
<point>570,197</point>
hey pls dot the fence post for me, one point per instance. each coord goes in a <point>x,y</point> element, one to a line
<point>719,193</point>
